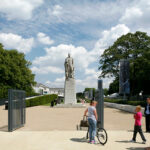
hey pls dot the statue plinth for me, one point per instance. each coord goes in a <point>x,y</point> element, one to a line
<point>70,91</point>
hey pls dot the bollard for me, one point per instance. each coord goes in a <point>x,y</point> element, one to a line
<point>99,97</point>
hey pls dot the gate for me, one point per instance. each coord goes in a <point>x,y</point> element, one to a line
<point>16,109</point>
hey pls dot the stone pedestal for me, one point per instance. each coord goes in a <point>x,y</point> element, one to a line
<point>70,91</point>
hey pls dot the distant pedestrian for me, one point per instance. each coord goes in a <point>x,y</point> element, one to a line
<point>82,101</point>
<point>92,120</point>
<point>52,103</point>
<point>147,115</point>
<point>55,102</point>
<point>137,127</point>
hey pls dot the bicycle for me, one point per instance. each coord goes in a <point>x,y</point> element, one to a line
<point>101,134</point>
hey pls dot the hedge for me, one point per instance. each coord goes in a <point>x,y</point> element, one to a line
<point>120,101</point>
<point>41,100</point>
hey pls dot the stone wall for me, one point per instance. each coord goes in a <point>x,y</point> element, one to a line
<point>127,108</point>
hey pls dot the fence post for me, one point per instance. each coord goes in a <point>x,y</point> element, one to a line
<point>100,104</point>
<point>10,113</point>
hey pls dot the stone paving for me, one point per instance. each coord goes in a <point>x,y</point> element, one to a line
<point>55,129</point>
<point>66,140</point>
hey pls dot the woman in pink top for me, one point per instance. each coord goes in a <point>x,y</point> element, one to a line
<point>137,127</point>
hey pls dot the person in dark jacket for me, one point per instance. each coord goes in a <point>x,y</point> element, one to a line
<point>147,115</point>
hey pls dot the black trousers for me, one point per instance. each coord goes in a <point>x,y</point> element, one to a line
<point>147,119</point>
<point>136,130</point>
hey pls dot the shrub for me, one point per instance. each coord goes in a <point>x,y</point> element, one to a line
<point>45,99</point>
<point>3,92</point>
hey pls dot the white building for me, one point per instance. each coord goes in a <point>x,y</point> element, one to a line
<point>58,91</point>
<point>42,89</point>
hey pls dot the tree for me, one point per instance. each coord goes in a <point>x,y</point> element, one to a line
<point>114,87</point>
<point>106,91</point>
<point>14,72</point>
<point>80,95</point>
<point>136,48</point>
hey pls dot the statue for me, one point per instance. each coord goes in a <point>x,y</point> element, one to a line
<point>69,67</point>
<point>70,99</point>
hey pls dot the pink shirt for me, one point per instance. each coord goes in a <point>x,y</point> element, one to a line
<point>138,118</point>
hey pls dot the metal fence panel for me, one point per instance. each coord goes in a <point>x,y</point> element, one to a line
<point>16,109</point>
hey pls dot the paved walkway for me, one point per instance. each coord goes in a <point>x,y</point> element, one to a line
<point>44,118</point>
<point>66,140</point>
<point>55,129</point>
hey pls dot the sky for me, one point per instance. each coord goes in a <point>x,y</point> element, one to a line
<point>47,30</point>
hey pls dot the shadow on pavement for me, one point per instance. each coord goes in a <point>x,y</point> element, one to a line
<point>82,140</point>
<point>4,128</point>
<point>123,112</point>
<point>130,130</point>
<point>125,141</point>
<point>136,148</point>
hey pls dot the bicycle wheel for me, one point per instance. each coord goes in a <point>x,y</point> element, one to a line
<point>102,136</point>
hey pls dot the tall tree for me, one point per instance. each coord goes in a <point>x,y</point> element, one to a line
<point>105,91</point>
<point>136,48</point>
<point>14,71</point>
<point>114,86</point>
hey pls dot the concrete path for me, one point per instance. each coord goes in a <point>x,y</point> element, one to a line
<point>66,140</point>
<point>55,129</point>
<point>44,118</point>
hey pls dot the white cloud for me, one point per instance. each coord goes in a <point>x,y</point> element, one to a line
<point>73,12</point>
<point>44,39</point>
<point>19,9</point>
<point>14,41</point>
<point>108,38</point>
<point>136,15</point>
<point>90,71</point>
<point>47,69</point>
<point>131,14</point>
<point>57,10</point>
<point>55,57</point>
<point>59,82</point>
<point>91,81</point>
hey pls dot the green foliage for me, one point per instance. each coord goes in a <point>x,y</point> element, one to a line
<point>114,86</point>
<point>14,72</point>
<point>41,100</point>
<point>120,101</point>
<point>80,95</point>
<point>136,48</point>
<point>105,91</point>
<point>32,94</point>
<point>3,92</point>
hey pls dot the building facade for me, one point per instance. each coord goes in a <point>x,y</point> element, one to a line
<point>42,89</point>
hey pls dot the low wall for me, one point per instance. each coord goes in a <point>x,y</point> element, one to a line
<point>127,108</point>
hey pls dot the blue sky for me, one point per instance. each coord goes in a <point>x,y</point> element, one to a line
<point>46,30</point>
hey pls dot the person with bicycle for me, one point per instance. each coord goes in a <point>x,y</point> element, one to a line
<point>92,120</point>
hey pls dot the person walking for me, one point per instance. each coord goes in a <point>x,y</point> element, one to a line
<point>92,120</point>
<point>147,115</point>
<point>137,127</point>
